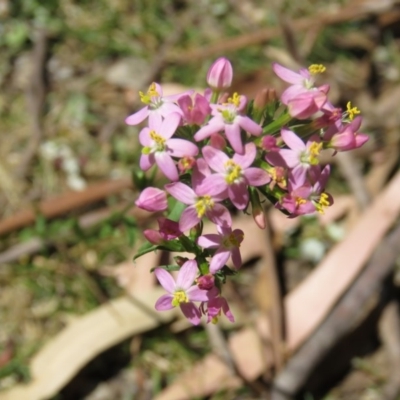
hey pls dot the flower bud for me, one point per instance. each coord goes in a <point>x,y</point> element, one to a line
<point>205,282</point>
<point>219,75</point>
<point>153,236</point>
<point>152,199</point>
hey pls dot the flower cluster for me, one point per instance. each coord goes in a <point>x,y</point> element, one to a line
<point>220,152</point>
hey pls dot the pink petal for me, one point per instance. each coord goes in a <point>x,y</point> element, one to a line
<point>249,125</point>
<point>188,219</point>
<point>138,116</point>
<point>292,92</point>
<point>292,140</point>
<point>166,280</point>
<point>219,259</point>
<point>239,195</point>
<point>286,74</point>
<point>167,165</point>
<point>144,137</point>
<point>186,275</point>
<point>256,176</point>
<point>181,192</point>
<point>214,126</point>
<point>146,161</point>
<point>164,303</point>
<point>169,125</point>
<point>219,215</point>
<point>232,132</point>
<point>191,312</point>
<point>248,157</point>
<point>213,185</point>
<point>196,294</point>
<point>299,175</point>
<point>155,120</point>
<point>236,258</point>
<point>216,159</point>
<point>182,148</point>
<point>209,241</point>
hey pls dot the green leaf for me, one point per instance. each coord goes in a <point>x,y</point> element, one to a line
<point>171,245</point>
<point>145,248</point>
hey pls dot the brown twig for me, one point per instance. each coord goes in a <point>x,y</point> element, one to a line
<point>35,95</point>
<point>64,203</point>
<point>86,221</point>
<point>340,321</point>
<point>389,328</point>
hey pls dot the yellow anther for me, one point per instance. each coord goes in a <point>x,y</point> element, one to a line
<point>278,176</point>
<point>203,204</point>
<point>152,92</point>
<point>233,172</point>
<point>314,151</point>
<point>316,69</point>
<point>352,111</point>
<point>159,140</point>
<point>235,99</point>
<point>322,203</point>
<point>300,201</point>
<point>232,240</point>
<point>179,297</point>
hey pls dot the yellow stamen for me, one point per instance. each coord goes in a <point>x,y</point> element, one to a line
<point>300,201</point>
<point>203,204</point>
<point>179,297</point>
<point>232,240</point>
<point>234,172</point>
<point>322,203</point>
<point>352,111</point>
<point>315,69</point>
<point>278,176</point>
<point>152,92</point>
<point>314,151</point>
<point>159,140</point>
<point>235,99</point>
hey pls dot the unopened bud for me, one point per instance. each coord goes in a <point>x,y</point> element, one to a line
<point>205,282</point>
<point>180,260</point>
<point>220,74</point>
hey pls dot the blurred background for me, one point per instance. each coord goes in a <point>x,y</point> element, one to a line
<point>70,73</point>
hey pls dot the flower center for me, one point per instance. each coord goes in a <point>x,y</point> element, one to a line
<point>233,172</point>
<point>278,175</point>
<point>232,240</point>
<point>180,296</point>
<point>311,156</point>
<point>203,204</point>
<point>152,98</point>
<point>159,141</point>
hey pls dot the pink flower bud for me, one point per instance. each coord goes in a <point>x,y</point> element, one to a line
<point>220,74</point>
<point>205,282</point>
<point>152,199</point>
<point>153,236</point>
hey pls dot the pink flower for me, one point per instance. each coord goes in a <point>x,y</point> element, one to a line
<point>194,110</point>
<point>182,293</point>
<point>200,202</point>
<point>215,307</point>
<point>233,175</point>
<point>347,137</point>
<point>157,106</point>
<point>227,117</point>
<point>219,75</point>
<point>302,97</point>
<point>310,197</point>
<point>159,147</point>
<point>300,157</point>
<point>227,243</point>
<point>168,230</point>
<point>152,199</point>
